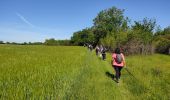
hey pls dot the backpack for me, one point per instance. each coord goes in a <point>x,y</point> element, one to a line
<point>119,58</point>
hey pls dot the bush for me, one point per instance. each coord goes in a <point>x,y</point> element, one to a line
<point>163,46</point>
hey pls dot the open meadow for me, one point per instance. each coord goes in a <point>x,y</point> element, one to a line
<point>74,73</point>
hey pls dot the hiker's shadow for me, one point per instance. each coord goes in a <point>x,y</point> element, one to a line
<point>108,74</point>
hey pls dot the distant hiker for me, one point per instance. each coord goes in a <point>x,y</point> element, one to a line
<point>84,45</point>
<point>97,50</point>
<point>103,53</point>
<point>118,62</point>
<point>100,51</point>
<point>101,48</point>
<point>90,47</point>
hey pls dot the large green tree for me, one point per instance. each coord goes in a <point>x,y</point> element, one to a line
<point>109,24</point>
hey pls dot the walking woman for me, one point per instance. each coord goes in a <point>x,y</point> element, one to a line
<point>97,50</point>
<point>118,62</point>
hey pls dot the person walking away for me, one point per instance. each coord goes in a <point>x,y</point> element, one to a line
<point>104,53</point>
<point>91,47</point>
<point>100,51</point>
<point>97,50</point>
<point>84,45</point>
<point>118,62</point>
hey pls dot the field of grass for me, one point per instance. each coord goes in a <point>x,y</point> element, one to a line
<point>74,73</point>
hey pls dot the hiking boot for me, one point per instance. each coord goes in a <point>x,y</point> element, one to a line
<point>117,81</point>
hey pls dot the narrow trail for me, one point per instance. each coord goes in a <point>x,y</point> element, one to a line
<point>92,78</point>
<point>122,92</point>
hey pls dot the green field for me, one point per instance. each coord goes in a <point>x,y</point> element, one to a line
<point>64,73</point>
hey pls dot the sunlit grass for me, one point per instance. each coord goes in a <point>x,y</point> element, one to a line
<point>152,75</point>
<point>38,71</point>
<point>55,72</point>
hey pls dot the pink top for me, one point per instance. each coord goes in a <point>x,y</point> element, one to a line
<point>114,62</point>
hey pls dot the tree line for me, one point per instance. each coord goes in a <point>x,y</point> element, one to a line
<point>112,29</point>
<point>24,43</point>
<point>49,42</point>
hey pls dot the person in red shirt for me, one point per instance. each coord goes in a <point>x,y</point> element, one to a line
<point>118,62</point>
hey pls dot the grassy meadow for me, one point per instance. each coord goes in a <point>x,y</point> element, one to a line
<point>74,73</point>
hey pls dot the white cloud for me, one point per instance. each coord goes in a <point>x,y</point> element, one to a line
<point>17,32</point>
<point>24,19</point>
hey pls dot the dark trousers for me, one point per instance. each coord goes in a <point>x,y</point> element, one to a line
<point>118,71</point>
<point>103,56</point>
<point>97,52</point>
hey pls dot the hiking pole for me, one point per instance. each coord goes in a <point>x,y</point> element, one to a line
<point>130,73</point>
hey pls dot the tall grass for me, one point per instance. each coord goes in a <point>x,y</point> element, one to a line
<point>38,72</point>
<point>152,73</point>
<point>62,73</point>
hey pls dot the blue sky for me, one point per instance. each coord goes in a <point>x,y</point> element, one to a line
<point>37,20</point>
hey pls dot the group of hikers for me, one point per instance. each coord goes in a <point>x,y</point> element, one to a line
<point>118,59</point>
<point>101,52</point>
